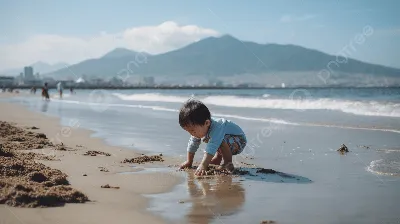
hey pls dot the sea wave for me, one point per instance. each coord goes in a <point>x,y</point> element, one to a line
<point>159,108</point>
<point>57,96</point>
<point>111,105</point>
<point>151,97</point>
<point>104,106</point>
<point>366,108</point>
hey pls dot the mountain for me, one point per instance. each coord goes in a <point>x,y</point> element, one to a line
<point>113,63</point>
<point>43,67</point>
<point>40,67</point>
<point>120,52</point>
<point>225,56</point>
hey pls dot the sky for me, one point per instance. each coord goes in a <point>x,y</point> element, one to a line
<point>75,30</point>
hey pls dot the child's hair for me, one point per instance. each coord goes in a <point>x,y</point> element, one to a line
<point>193,112</point>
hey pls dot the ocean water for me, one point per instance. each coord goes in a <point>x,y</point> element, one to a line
<point>294,131</point>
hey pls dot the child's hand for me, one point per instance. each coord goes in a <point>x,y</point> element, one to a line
<point>201,170</point>
<point>186,164</point>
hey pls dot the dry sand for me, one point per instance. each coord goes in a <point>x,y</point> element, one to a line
<point>86,174</point>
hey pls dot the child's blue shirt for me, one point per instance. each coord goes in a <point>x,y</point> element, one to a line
<point>216,133</point>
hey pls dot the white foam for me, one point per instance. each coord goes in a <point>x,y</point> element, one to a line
<point>366,108</point>
<point>158,108</point>
<point>110,105</point>
<point>57,96</point>
<point>271,120</point>
<point>350,127</point>
<point>151,97</point>
<point>384,167</point>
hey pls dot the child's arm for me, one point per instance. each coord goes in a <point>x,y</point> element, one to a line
<point>192,147</point>
<point>193,144</point>
<point>216,137</point>
<point>190,157</point>
<point>189,161</point>
<point>201,170</point>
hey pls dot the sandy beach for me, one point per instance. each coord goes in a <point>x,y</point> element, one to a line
<point>305,179</point>
<point>123,205</point>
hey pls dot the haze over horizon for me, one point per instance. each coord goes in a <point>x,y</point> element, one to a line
<point>67,32</point>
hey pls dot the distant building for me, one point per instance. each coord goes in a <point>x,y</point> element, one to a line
<point>116,82</point>
<point>19,80</point>
<point>6,81</point>
<point>215,82</point>
<point>244,85</point>
<point>34,82</point>
<point>148,81</point>
<point>50,81</point>
<point>69,83</point>
<point>96,81</point>
<point>28,72</point>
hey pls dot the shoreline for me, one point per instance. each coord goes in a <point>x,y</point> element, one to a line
<point>77,87</point>
<point>106,205</point>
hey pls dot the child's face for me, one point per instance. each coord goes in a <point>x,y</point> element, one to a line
<point>198,131</point>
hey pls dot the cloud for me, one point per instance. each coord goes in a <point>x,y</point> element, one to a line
<point>54,48</point>
<point>294,18</point>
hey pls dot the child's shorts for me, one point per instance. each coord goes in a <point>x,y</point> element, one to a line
<point>236,143</point>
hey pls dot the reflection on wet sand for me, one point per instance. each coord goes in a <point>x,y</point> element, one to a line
<point>212,198</point>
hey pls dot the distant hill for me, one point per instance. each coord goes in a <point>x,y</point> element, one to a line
<point>41,67</point>
<point>222,57</point>
<point>120,52</point>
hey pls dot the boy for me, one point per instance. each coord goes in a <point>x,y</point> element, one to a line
<point>45,91</point>
<point>224,137</point>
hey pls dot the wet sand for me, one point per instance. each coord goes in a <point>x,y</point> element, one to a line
<point>94,169</point>
<point>86,174</point>
<point>327,187</point>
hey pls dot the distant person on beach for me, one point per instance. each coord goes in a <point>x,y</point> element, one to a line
<point>71,90</point>
<point>60,89</point>
<point>223,137</point>
<point>45,92</point>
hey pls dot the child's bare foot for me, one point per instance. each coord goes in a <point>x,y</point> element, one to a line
<point>226,166</point>
<point>216,160</point>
